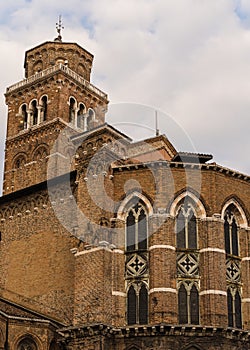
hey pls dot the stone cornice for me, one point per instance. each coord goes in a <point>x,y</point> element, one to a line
<point>71,333</point>
<point>163,163</point>
<point>36,129</point>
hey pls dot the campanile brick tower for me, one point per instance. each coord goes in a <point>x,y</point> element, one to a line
<point>56,91</point>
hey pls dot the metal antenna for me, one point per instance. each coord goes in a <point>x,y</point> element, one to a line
<point>59,28</point>
<point>157,132</point>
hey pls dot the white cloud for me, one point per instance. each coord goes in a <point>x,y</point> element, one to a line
<point>189,58</point>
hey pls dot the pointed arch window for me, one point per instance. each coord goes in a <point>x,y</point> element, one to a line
<point>136,263</point>
<point>27,344</point>
<point>187,262</point>
<point>186,227</point>
<point>188,303</point>
<point>233,266</point>
<point>136,228</point>
<point>234,307</point>
<point>231,233</point>
<point>137,304</point>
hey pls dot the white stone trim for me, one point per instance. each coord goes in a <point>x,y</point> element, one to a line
<point>210,249</point>
<point>118,294</point>
<point>246,300</point>
<point>122,209</point>
<point>91,250</point>
<point>161,246</point>
<point>118,251</point>
<point>213,291</point>
<point>247,258</point>
<point>174,206</point>
<point>233,201</point>
<point>163,289</point>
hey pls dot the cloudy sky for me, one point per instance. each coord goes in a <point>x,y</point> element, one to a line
<point>188,59</point>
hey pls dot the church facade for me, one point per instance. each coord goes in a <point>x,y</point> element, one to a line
<point>107,243</point>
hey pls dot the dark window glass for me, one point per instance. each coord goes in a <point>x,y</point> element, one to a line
<point>130,231</point>
<point>194,305</point>
<point>143,305</point>
<point>227,236</point>
<point>44,108</point>
<point>238,320</point>
<point>182,305</point>
<point>71,110</point>
<point>230,308</point>
<point>142,230</point>
<point>180,227</point>
<point>234,238</point>
<point>192,232</point>
<point>34,112</point>
<point>131,306</point>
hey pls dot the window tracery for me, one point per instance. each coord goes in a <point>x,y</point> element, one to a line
<point>136,264</point>
<point>233,266</point>
<point>187,263</point>
<point>27,344</point>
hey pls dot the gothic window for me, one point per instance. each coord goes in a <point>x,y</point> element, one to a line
<point>233,266</point>
<point>187,263</point>
<point>44,103</point>
<point>27,344</point>
<point>137,304</point>
<point>40,153</point>
<point>34,112</point>
<point>136,228</point>
<point>136,263</point>
<point>231,233</point>
<point>72,108</point>
<point>19,162</point>
<point>234,307</point>
<point>188,303</point>
<point>24,120</point>
<point>186,227</point>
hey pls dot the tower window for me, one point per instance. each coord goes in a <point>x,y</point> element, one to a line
<point>91,118</point>
<point>44,103</point>
<point>34,112</point>
<point>81,116</point>
<point>24,120</point>
<point>72,108</point>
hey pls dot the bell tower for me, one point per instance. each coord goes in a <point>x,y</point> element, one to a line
<point>55,93</point>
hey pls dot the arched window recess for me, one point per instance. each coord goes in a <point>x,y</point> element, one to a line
<point>188,302</point>
<point>43,109</point>
<point>82,117</point>
<point>137,304</point>
<point>23,114</point>
<point>136,228</point>
<point>186,227</point>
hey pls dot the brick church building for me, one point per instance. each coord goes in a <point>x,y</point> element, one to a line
<point>106,243</point>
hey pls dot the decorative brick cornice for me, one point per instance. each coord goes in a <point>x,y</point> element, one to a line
<point>163,163</point>
<point>76,333</point>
